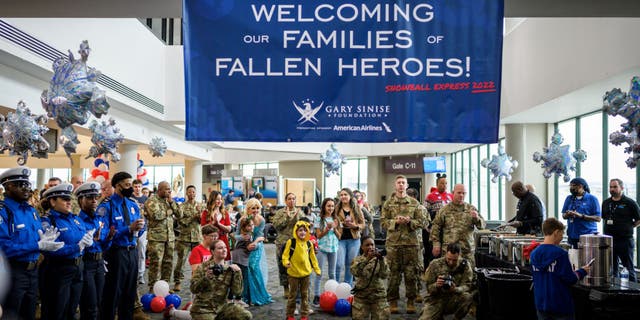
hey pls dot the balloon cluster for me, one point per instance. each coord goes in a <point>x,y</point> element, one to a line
<point>616,102</point>
<point>160,298</point>
<point>501,165</point>
<point>105,138</point>
<point>142,172</point>
<point>101,171</point>
<point>22,132</point>
<point>332,160</point>
<point>73,94</point>
<point>336,298</point>
<point>157,147</point>
<point>557,159</point>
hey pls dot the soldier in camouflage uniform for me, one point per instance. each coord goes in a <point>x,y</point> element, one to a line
<point>284,220</point>
<point>370,293</point>
<point>211,283</point>
<point>190,235</point>
<point>402,218</point>
<point>426,220</point>
<point>448,298</point>
<point>455,222</point>
<point>76,181</point>
<point>160,210</point>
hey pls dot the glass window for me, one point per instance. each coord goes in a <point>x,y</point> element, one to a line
<point>350,174</point>
<point>362,184</point>
<point>617,167</point>
<point>262,165</point>
<point>484,184</point>
<point>568,131</point>
<point>473,176</point>
<point>161,173</point>
<point>458,168</point>
<point>331,186</point>
<point>591,142</point>
<point>494,208</point>
<point>63,174</point>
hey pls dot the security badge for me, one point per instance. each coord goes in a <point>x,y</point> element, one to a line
<point>101,211</point>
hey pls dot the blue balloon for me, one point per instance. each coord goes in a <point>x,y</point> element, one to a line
<point>173,299</point>
<point>97,162</point>
<point>146,301</point>
<point>140,163</point>
<point>342,308</point>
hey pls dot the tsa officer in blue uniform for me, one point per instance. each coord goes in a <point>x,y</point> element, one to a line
<point>22,238</point>
<point>123,216</point>
<point>93,275</point>
<point>61,274</point>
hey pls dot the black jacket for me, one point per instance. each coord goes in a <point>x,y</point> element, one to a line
<point>530,213</point>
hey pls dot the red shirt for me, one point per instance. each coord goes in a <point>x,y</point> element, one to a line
<point>199,254</point>
<point>225,221</point>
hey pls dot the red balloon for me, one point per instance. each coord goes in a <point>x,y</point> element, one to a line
<point>158,304</point>
<point>95,173</point>
<point>105,174</point>
<point>328,301</point>
<point>350,299</point>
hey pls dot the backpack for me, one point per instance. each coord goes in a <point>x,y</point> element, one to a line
<point>292,248</point>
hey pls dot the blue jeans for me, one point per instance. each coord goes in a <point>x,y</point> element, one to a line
<point>347,251</point>
<point>331,272</point>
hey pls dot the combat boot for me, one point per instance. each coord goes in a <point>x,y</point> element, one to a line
<point>177,287</point>
<point>138,314</point>
<point>393,307</point>
<point>411,308</point>
<point>286,292</point>
<point>419,299</point>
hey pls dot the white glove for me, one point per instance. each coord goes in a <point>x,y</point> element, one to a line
<point>48,245</point>
<point>87,240</point>
<point>51,234</point>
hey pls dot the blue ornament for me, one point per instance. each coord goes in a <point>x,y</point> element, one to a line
<point>173,299</point>
<point>557,159</point>
<point>616,102</point>
<point>342,308</point>
<point>501,165</point>
<point>21,132</point>
<point>73,95</point>
<point>105,138</point>
<point>145,300</point>
<point>97,162</point>
<point>332,160</point>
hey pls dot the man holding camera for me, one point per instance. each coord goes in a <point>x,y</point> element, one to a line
<point>448,282</point>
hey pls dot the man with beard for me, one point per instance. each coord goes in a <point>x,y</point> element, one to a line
<point>582,211</point>
<point>621,215</point>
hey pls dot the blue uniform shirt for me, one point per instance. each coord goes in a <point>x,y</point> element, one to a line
<point>71,232</point>
<point>589,206</point>
<point>19,237</point>
<point>112,211</point>
<point>101,244</point>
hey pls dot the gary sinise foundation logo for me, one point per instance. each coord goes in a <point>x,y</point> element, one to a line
<point>308,112</point>
<point>360,117</point>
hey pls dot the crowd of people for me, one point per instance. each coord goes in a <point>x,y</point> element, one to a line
<point>84,246</point>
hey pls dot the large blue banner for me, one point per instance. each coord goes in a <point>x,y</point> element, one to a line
<point>340,70</point>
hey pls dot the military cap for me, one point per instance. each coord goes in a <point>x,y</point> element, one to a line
<point>62,190</point>
<point>15,174</point>
<point>88,189</point>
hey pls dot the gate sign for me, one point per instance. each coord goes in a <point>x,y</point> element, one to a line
<point>343,70</point>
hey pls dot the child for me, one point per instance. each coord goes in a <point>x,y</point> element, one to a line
<point>370,293</point>
<point>553,275</point>
<point>299,258</point>
<point>240,255</point>
<point>327,243</point>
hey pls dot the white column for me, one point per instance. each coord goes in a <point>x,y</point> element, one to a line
<point>128,160</point>
<point>42,179</point>
<point>76,170</point>
<point>193,176</point>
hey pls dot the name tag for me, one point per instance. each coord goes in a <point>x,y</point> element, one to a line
<point>63,229</point>
<point>20,226</point>
<point>119,218</point>
<point>609,222</point>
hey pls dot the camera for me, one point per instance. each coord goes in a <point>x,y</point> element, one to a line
<point>380,253</point>
<point>448,282</point>
<point>217,269</point>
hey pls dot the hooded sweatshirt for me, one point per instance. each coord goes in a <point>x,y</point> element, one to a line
<point>553,277</point>
<point>303,260</point>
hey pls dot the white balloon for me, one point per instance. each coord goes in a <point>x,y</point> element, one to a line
<point>331,285</point>
<point>343,291</point>
<point>99,179</point>
<point>161,288</point>
<point>103,167</point>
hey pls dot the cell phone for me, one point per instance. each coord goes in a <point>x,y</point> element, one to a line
<point>591,262</point>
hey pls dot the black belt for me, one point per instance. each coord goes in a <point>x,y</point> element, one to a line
<point>128,248</point>
<point>24,265</point>
<point>92,256</point>
<point>72,261</point>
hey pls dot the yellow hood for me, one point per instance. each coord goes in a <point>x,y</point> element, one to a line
<point>299,224</point>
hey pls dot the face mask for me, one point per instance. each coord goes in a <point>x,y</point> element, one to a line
<point>127,192</point>
<point>574,192</point>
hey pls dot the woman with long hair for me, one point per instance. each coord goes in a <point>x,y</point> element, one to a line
<point>328,239</point>
<point>350,225</point>
<point>218,216</point>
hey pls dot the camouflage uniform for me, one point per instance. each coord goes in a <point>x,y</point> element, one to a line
<point>457,223</point>
<point>190,235</point>
<point>160,236</point>
<point>372,299</point>
<point>402,244</point>
<point>75,207</point>
<point>211,291</point>
<point>284,225</point>
<point>440,302</point>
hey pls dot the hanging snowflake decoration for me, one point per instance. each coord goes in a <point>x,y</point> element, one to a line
<point>157,147</point>
<point>557,159</point>
<point>105,138</point>
<point>616,102</point>
<point>73,94</point>
<point>332,160</point>
<point>501,165</point>
<point>22,132</point>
